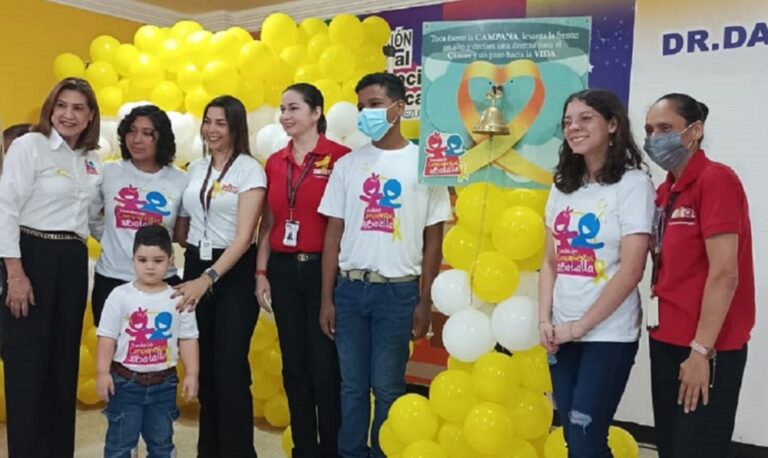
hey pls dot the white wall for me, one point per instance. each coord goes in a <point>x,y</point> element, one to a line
<point>734,84</point>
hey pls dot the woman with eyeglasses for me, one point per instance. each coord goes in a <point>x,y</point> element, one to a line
<point>48,196</point>
<point>703,279</point>
<point>598,219</point>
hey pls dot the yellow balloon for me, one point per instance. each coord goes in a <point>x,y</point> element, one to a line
<point>307,73</point>
<point>196,100</point>
<point>451,438</point>
<point>94,248</point>
<point>313,26</point>
<point>132,92</point>
<point>317,45</point>
<point>454,363</point>
<point>279,31</point>
<point>173,53</point>
<point>376,30</point>
<point>346,29</point>
<point>91,340</point>
<point>531,414</point>
<point>264,335</point>
<point>251,93</point>
<point>294,56</point>
<point>272,93</point>
<point>495,377</point>
<point>519,448</point>
<point>101,74</point>
<point>331,91</point>
<point>124,57</point>
<point>87,363</point>
<point>264,386</point>
<point>272,361</point>
<point>148,38</point>
<point>86,391</point>
<point>146,71</point>
<point>412,419</point>
<point>388,442</point>
<point>348,93</point>
<point>622,444</point>
<point>67,65</point>
<point>479,206</point>
<point>198,46</point>
<point>256,59</point>
<point>532,263</point>
<point>451,395</point>
<point>188,77</point>
<point>3,415</point>
<point>224,46</point>
<point>182,29</point>
<point>424,449</point>
<point>337,62</point>
<point>461,247</point>
<point>534,369</point>
<point>110,100</point>
<point>488,428</point>
<point>258,408</point>
<point>243,36</point>
<point>555,446</point>
<point>370,59</point>
<point>495,277</point>
<point>276,411</point>
<point>167,96</point>
<point>534,199</point>
<point>287,442</point>
<point>220,78</point>
<point>518,233</point>
<point>87,318</point>
<point>103,48</point>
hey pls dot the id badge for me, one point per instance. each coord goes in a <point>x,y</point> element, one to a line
<point>206,250</point>
<point>652,314</point>
<point>291,233</point>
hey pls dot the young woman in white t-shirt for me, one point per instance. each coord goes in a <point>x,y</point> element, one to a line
<point>221,207</point>
<point>599,216</point>
<point>144,188</point>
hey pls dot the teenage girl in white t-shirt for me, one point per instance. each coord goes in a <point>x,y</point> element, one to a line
<point>221,207</point>
<point>599,217</point>
<point>144,188</point>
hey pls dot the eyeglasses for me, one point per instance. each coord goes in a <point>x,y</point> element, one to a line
<point>581,121</point>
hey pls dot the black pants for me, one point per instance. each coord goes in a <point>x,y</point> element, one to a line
<point>41,352</point>
<point>705,432</point>
<point>226,319</point>
<point>103,286</point>
<point>310,362</point>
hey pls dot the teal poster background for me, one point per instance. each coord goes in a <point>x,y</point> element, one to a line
<point>554,56</point>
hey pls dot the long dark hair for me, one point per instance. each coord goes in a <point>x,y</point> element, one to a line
<point>312,97</point>
<point>165,141</point>
<point>688,108</point>
<point>623,154</point>
<point>237,121</point>
<point>89,138</point>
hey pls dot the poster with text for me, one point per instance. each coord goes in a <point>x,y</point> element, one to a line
<point>537,62</point>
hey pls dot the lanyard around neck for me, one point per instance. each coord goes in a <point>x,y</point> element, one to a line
<point>292,188</point>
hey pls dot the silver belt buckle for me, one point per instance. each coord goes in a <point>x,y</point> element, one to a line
<point>366,276</point>
<point>302,257</point>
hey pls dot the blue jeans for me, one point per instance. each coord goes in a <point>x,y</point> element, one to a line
<point>373,330</point>
<point>588,380</point>
<point>137,409</point>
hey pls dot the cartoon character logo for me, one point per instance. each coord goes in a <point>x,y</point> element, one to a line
<point>576,254</point>
<point>155,203</point>
<point>455,145</point>
<point>147,345</point>
<point>560,228</point>
<point>381,202</point>
<point>435,146</point>
<point>129,198</point>
<point>589,227</point>
<point>163,322</point>
<point>371,191</point>
<point>133,212</point>
<point>137,326</point>
<point>90,168</point>
<point>443,154</point>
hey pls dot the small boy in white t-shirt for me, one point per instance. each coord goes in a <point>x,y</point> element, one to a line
<point>141,335</point>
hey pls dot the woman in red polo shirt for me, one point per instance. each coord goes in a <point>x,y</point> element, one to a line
<point>288,270</point>
<point>703,278</point>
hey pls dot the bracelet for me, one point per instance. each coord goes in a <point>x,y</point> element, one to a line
<point>261,272</point>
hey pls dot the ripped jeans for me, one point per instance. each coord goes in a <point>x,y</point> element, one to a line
<point>588,380</point>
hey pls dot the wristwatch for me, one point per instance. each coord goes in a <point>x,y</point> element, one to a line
<point>708,353</point>
<point>212,274</point>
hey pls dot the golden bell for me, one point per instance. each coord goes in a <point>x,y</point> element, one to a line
<point>492,119</point>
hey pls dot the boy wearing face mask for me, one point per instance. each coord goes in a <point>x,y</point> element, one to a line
<point>382,251</point>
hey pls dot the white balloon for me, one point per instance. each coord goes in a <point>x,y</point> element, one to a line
<point>515,323</point>
<point>259,118</point>
<point>342,119</point>
<point>127,107</point>
<point>190,152</point>
<point>332,136</point>
<point>356,140</point>
<point>108,130</point>
<point>184,128</point>
<point>105,147</point>
<point>451,291</point>
<point>276,116</point>
<point>487,308</point>
<point>467,335</point>
<point>279,142</point>
<point>266,138</point>
<point>528,285</point>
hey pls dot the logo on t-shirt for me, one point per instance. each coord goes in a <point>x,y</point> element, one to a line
<point>381,203</point>
<point>322,168</point>
<point>683,215</point>
<point>576,249</point>
<point>444,151</point>
<point>133,212</point>
<point>148,346</point>
<point>90,168</point>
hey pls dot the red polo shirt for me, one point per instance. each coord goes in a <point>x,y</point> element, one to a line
<point>710,201</point>
<point>308,195</point>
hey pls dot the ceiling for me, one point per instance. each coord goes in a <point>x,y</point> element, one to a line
<point>194,7</point>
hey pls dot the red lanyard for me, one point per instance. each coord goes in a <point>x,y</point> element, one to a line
<point>291,188</point>
<point>205,199</point>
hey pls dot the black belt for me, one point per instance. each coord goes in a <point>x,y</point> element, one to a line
<point>301,257</point>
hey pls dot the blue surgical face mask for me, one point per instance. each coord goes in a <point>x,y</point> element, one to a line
<point>667,149</point>
<point>373,122</point>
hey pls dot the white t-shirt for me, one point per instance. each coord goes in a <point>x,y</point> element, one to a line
<point>133,199</point>
<point>385,209</point>
<point>587,226</point>
<point>243,175</point>
<point>146,326</point>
